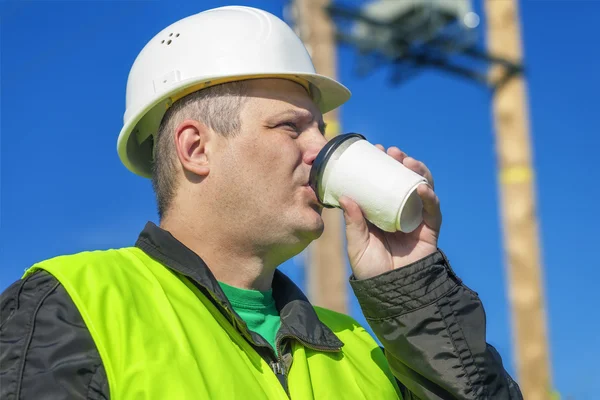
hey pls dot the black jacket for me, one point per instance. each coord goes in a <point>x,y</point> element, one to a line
<point>432,328</point>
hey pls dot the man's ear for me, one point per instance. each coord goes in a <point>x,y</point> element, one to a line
<point>191,138</point>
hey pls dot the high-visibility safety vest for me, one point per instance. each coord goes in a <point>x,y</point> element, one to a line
<point>160,337</point>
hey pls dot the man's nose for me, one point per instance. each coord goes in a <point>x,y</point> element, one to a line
<point>313,147</point>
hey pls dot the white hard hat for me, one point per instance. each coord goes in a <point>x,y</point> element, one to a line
<point>221,45</point>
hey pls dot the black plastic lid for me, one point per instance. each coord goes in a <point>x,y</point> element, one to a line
<point>320,162</point>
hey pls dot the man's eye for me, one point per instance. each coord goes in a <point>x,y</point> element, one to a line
<point>290,125</point>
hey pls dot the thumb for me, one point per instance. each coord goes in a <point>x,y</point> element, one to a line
<point>357,230</point>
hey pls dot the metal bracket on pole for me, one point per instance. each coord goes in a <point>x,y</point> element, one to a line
<point>420,35</point>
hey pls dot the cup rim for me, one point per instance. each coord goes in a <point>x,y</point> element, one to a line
<point>318,166</point>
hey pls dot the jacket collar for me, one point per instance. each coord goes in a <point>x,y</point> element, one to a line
<point>298,317</point>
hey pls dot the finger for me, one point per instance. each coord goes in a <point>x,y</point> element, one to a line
<point>432,214</point>
<point>352,212</point>
<point>380,147</point>
<point>420,168</point>
<point>397,154</point>
<point>357,230</point>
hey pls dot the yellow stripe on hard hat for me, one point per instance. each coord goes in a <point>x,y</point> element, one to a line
<point>214,82</point>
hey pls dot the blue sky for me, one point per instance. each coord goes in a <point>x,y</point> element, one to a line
<point>63,70</point>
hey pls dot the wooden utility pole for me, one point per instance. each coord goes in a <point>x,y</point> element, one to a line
<point>326,272</point>
<point>522,250</point>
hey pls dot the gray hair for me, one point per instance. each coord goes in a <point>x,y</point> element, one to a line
<point>218,107</point>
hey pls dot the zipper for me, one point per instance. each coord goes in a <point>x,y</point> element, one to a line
<point>279,367</point>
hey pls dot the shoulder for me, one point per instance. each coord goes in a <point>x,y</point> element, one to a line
<point>40,324</point>
<point>34,298</point>
<point>25,292</point>
<point>91,257</point>
<point>88,264</point>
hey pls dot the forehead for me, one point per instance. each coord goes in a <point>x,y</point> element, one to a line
<point>270,96</point>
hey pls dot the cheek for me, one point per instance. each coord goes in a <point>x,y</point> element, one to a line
<point>251,169</point>
<point>276,158</point>
<point>265,169</point>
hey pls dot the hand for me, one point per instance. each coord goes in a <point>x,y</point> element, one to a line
<point>373,251</point>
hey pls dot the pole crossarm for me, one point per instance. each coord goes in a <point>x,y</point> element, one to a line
<point>413,42</point>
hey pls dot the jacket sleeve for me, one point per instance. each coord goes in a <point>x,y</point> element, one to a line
<point>46,351</point>
<point>433,331</point>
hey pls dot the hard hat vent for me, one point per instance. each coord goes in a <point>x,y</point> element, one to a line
<point>170,39</point>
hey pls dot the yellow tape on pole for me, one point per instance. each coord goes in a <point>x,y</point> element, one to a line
<point>333,128</point>
<point>516,174</point>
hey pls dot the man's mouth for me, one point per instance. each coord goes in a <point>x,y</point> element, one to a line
<point>313,195</point>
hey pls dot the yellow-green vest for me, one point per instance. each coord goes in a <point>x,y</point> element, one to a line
<point>159,337</point>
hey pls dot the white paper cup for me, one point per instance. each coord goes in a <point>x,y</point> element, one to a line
<point>384,189</point>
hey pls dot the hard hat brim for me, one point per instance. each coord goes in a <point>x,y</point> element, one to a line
<point>134,148</point>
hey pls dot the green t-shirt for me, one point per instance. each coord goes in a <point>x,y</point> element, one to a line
<point>257,309</point>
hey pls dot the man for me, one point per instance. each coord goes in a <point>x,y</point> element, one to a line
<point>224,113</point>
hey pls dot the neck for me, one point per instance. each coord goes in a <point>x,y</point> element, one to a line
<point>231,261</point>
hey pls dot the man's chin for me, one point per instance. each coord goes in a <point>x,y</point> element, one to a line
<point>312,226</point>
<point>316,228</point>
<point>317,232</point>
